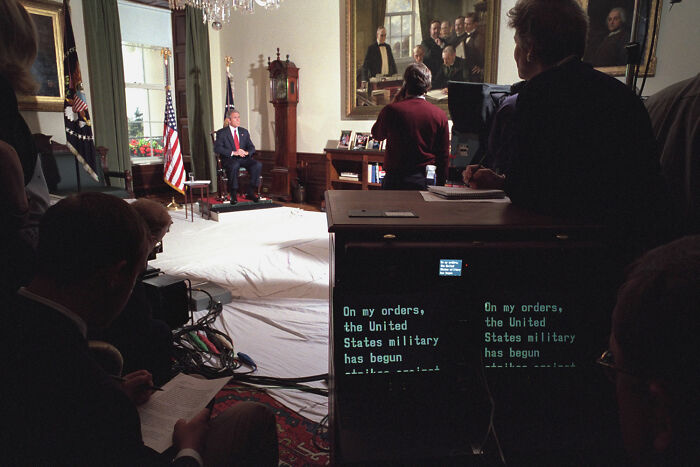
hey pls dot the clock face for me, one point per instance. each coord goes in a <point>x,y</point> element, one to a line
<point>280,89</point>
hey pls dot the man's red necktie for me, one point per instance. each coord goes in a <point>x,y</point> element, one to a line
<point>235,140</point>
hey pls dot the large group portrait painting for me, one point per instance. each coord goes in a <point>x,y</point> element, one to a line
<point>407,25</point>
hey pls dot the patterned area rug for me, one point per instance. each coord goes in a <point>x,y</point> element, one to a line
<point>301,441</point>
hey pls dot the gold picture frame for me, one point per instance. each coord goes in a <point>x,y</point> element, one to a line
<point>360,32</point>
<point>598,11</point>
<point>48,66</point>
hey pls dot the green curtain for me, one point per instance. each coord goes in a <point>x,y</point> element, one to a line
<point>378,15</point>
<point>199,97</point>
<point>425,7</point>
<point>104,47</point>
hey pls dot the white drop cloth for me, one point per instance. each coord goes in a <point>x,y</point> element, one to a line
<point>275,263</point>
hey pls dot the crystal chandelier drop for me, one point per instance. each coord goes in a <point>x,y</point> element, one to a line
<point>218,12</point>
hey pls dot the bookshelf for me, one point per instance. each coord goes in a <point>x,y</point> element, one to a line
<point>357,161</point>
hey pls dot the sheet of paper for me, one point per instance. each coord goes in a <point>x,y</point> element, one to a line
<point>182,397</point>
<point>436,94</point>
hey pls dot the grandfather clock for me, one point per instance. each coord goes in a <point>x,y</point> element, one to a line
<point>284,89</point>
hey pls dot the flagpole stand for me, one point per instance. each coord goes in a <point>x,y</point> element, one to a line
<point>173,206</point>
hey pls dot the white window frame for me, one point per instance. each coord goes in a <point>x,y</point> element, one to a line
<point>151,112</point>
<point>413,18</point>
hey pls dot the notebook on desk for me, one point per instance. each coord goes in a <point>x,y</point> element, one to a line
<point>463,192</point>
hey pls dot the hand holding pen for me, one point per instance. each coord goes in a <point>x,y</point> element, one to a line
<point>469,172</point>
<point>138,386</point>
<point>479,177</point>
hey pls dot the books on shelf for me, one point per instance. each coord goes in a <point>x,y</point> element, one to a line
<point>352,176</point>
<point>375,172</point>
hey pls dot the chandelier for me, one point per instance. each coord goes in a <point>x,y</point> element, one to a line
<point>219,12</point>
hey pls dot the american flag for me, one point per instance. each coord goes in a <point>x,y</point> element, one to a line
<point>229,94</point>
<point>174,168</point>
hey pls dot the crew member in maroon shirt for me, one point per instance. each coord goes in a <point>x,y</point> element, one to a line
<point>417,134</point>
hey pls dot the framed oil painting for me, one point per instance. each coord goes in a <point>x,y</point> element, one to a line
<point>405,25</point>
<point>610,28</point>
<point>48,66</point>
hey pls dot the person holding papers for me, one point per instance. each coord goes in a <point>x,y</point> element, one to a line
<point>59,405</point>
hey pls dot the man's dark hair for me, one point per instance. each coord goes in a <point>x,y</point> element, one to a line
<point>229,112</point>
<point>554,29</point>
<point>656,324</point>
<point>82,234</point>
<point>435,21</point>
<point>472,16</point>
<point>417,79</point>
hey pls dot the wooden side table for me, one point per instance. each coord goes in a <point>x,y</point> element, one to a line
<point>203,187</point>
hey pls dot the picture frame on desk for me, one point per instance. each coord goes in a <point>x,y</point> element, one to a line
<point>347,137</point>
<point>361,139</point>
<point>374,144</point>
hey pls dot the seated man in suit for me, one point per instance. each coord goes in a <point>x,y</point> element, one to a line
<point>379,60</point>
<point>419,54</point>
<point>236,149</point>
<point>453,69</point>
<point>67,410</point>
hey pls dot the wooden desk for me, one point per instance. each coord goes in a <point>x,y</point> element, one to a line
<point>454,220</point>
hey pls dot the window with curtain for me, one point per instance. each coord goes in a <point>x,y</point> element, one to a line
<point>399,21</point>
<point>144,77</point>
<point>145,31</point>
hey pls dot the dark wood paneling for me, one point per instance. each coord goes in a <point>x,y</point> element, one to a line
<point>311,171</point>
<point>148,180</point>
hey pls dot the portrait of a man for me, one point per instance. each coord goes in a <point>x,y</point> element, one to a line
<point>609,32</point>
<point>45,69</point>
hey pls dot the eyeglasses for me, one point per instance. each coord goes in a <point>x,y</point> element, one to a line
<point>607,361</point>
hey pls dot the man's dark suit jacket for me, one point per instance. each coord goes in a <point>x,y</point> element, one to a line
<point>224,145</point>
<point>373,60</point>
<point>433,55</point>
<point>584,148</point>
<point>457,72</point>
<point>63,409</point>
<point>474,54</point>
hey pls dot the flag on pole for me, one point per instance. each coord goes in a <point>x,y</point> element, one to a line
<point>174,169</point>
<point>79,137</point>
<point>229,88</point>
<point>229,94</point>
